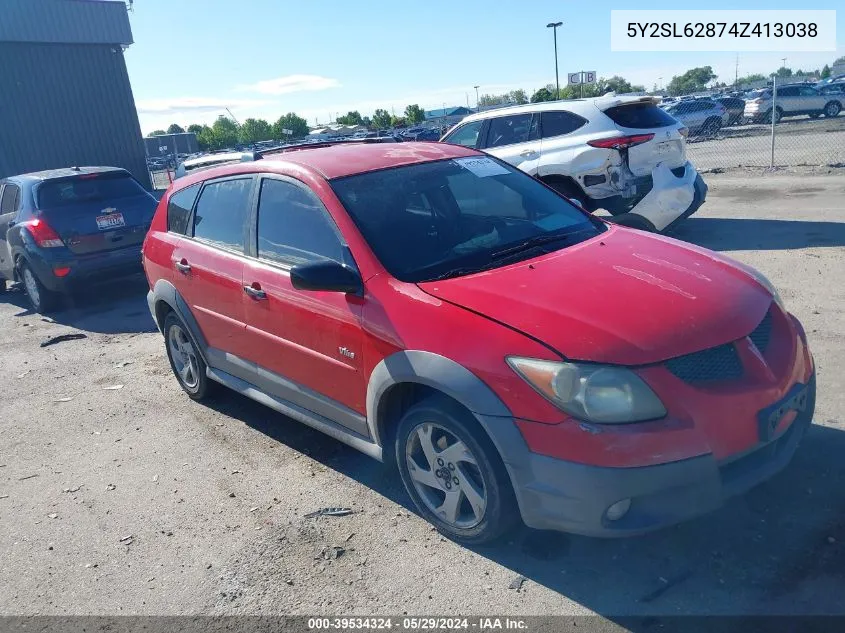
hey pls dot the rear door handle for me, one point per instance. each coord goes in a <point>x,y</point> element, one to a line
<point>183,267</point>
<point>256,293</point>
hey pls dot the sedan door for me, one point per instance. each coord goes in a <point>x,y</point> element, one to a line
<point>516,140</point>
<point>208,268</point>
<point>10,195</point>
<point>307,344</point>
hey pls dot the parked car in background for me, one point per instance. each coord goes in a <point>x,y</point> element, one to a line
<point>836,88</point>
<point>701,116</point>
<point>514,356</point>
<point>622,154</point>
<point>792,100</point>
<point>63,228</point>
<point>735,107</point>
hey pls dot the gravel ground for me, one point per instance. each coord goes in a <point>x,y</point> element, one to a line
<point>138,501</point>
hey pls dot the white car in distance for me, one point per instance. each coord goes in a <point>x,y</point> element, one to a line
<point>621,154</point>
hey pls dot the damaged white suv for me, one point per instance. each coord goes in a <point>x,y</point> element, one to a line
<point>622,154</point>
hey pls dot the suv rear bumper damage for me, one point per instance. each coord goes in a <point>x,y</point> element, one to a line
<point>554,494</point>
<point>672,198</point>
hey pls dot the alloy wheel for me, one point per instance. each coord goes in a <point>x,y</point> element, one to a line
<point>446,475</point>
<point>184,356</point>
<point>31,285</point>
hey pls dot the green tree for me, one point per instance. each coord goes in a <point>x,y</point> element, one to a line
<point>255,130</point>
<point>350,118</point>
<point>543,94</point>
<point>616,84</point>
<point>750,79</point>
<point>292,122</point>
<point>175,129</point>
<point>157,133</point>
<point>518,96</point>
<point>414,114</point>
<point>396,121</point>
<point>381,118</point>
<point>825,72</point>
<point>206,139</point>
<point>783,72</point>
<point>839,60</point>
<point>225,132</point>
<point>694,80</point>
<point>195,128</point>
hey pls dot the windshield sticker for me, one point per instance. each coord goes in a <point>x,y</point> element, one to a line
<point>482,166</point>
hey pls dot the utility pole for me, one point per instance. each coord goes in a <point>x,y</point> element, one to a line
<point>476,98</point>
<point>736,73</point>
<point>553,26</point>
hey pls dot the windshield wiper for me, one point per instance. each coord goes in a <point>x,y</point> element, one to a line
<point>528,244</point>
<point>457,272</point>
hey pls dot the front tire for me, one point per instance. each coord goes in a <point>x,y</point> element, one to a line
<point>832,109</point>
<point>453,473</point>
<point>185,361</point>
<point>41,299</point>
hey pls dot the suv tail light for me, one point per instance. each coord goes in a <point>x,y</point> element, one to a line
<point>43,233</point>
<point>621,142</point>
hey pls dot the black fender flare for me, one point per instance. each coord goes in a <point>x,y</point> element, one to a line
<point>166,292</point>
<point>457,382</point>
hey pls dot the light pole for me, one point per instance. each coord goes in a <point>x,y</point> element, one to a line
<point>476,97</point>
<point>553,26</point>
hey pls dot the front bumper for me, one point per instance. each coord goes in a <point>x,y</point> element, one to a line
<point>554,494</point>
<point>672,198</point>
<point>85,269</point>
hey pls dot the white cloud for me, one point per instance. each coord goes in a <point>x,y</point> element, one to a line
<point>289,84</point>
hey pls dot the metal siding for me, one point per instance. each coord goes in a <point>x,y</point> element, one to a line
<point>67,104</point>
<point>65,21</point>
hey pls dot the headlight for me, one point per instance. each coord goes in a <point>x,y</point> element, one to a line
<point>594,393</point>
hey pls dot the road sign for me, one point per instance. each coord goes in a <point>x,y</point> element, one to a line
<point>287,132</point>
<point>582,77</point>
<point>574,78</point>
<point>590,77</point>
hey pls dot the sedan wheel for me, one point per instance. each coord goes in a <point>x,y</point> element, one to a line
<point>832,109</point>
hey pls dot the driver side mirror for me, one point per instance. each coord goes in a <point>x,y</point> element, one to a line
<point>328,276</point>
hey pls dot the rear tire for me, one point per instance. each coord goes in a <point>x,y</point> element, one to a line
<point>459,483</point>
<point>41,299</point>
<point>185,361</point>
<point>711,127</point>
<point>634,221</point>
<point>778,114</point>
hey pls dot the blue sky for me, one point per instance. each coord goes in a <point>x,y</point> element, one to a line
<point>263,58</point>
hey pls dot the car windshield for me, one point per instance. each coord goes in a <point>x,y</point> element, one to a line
<point>452,217</point>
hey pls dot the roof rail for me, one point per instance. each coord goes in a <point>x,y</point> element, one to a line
<point>297,146</point>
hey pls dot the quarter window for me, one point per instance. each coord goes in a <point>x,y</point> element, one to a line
<point>179,209</point>
<point>294,227</point>
<point>559,123</point>
<point>221,212</point>
<point>11,195</point>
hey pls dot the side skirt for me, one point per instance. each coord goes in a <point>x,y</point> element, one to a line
<point>298,413</point>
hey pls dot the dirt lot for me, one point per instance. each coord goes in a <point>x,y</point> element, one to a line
<point>137,500</point>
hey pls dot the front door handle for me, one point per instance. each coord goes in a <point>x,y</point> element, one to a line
<point>528,152</point>
<point>255,292</point>
<point>183,266</point>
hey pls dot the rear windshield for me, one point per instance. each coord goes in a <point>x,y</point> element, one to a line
<point>87,188</point>
<point>640,116</point>
<point>756,94</point>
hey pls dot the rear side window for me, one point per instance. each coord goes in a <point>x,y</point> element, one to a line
<point>789,91</point>
<point>294,227</point>
<point>179,209</point>
<point>639,116</point>
<point>559,123</point>
<point>88,188</point>
<point>508,130</point>
<point>221,213</point>
<point>466,135</point>
<point>9,202</point>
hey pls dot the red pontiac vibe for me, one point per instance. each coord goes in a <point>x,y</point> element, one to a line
<point>515,356</point>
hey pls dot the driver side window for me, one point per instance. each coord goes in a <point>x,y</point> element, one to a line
<point>466,135</point>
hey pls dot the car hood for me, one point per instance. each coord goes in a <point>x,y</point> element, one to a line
<point>624,297</point>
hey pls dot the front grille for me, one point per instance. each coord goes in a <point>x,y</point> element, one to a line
<point>762,333</point>
<point>709,365</point>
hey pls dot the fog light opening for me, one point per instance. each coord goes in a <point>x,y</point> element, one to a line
<point>618,510</point>
<point>61,272</point>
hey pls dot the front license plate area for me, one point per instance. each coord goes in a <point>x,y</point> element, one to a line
<point>768,418</point>
<point>110,221</point>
